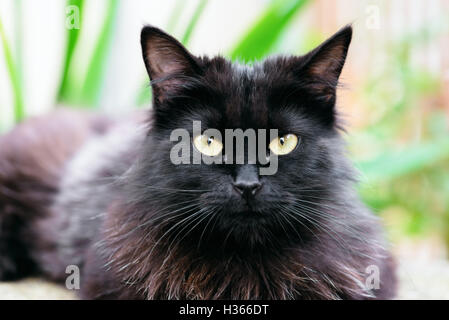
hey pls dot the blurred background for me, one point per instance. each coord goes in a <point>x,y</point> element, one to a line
<point>395,100</point>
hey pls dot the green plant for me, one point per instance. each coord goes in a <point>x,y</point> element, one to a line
<point>144,94</point>
<point>66,86</point>
<point>267,30</point>
<point>14,75</point>
<point>89,92</point>
<point>400,168</point>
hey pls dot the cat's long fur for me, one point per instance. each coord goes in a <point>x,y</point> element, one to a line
<point>77,189</point>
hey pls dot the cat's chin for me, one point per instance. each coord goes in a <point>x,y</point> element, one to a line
<point>249,217</point>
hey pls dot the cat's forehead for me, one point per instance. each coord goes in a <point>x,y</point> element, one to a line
<point>244,71</point>
<point>246,92</point>
<point>246,105</point>
<point>257,73</point>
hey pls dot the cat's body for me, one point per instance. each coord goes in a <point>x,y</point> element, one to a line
<point>103,195</point>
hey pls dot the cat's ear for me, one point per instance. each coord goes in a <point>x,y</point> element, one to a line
<point>324,64</point>
<point>167,61</point>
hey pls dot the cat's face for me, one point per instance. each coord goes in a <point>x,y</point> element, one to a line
<point>234,202</point>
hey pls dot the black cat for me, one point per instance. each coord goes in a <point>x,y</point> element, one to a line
<point>104,195</point>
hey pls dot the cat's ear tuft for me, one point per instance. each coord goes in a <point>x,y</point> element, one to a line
<point>167,61</point>
<point>325,63</point>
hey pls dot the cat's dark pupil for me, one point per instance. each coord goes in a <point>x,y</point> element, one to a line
<point>282,141</point>
<point>209,141</point>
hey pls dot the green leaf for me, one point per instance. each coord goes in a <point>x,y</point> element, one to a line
<point>94,79</point>
<point>144,95</point>
<point>175,15</point>
<point>66,86</point>
<point>394,164</point>
<point>14,76</point>
<point>193,21</point>
<point>266,31</point>
<point>18,38</point>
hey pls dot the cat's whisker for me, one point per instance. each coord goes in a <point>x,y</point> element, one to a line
<point>288,212</point>
<point>322,226</point>
<point>189,208</point>
<point>320,198</point>
<point>192,219</point>
<point>310,219</point>
<point>329,206</point>
<point>214,215</point>
<point>280,210</point>
<point>169,230</point>
<point>326,216</point>
<point>201,218</point>
<point>158,217</point>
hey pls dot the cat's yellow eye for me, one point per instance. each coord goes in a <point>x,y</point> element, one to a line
<point>208,146</point>
<point>284,145</point>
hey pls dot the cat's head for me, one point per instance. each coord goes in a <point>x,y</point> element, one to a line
<point>296,95</point>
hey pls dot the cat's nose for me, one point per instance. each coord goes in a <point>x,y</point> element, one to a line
<point>247,182</point>
<point>248,188</point>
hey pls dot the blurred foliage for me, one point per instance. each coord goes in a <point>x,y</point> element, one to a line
<point>193,22</point>
<point>67,85</point>
<point>266,31</point>
<point>92,84</point>
<point>144,95</point>
<point>87,91</point>
<point>14,75</point>
<point>402,152</point>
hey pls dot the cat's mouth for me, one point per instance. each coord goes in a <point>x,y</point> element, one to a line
<point>248,212</point>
